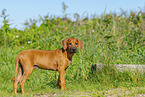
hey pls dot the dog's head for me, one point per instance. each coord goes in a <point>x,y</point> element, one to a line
<point>71,44</point>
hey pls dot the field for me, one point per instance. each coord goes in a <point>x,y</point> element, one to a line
<point>109,39</point>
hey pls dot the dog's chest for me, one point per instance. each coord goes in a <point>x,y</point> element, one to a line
<point>67,64</point>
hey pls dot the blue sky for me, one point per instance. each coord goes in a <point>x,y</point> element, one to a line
<point>22,10</point>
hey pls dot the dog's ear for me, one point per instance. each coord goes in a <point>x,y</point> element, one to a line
<point>81,44</point>
<point>64,43</point>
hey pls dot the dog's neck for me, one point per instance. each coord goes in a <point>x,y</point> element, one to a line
<point>69,55</point>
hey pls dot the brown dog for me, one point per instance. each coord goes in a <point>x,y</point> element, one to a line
<point>57,60</point>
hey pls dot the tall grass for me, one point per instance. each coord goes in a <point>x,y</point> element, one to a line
<point>111,39</point>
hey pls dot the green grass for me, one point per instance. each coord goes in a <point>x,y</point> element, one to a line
<point>111,39</point>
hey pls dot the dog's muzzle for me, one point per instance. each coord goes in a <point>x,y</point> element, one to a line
<point>73,50</point>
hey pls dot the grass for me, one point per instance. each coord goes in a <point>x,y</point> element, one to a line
<point>111,39</point>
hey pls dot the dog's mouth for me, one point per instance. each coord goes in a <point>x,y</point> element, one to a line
<point>73,50</point>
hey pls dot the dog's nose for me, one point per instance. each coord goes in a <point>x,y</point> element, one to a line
<point>73,48</point>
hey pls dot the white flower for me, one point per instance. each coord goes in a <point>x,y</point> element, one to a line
<point>92,30</point>
<point>22,46</point>
<point>29,41</point>
<point>17,36</point>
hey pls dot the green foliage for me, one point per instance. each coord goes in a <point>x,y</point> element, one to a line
<point>111,39</point>
<point>109,74</point>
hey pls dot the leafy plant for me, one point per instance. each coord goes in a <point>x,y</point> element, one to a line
<point>109,39</point>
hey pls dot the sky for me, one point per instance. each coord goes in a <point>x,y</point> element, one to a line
<point>21,10</point>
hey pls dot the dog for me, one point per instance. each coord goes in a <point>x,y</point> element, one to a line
<point>57,60</point>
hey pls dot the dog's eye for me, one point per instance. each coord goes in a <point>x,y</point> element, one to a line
<point>76,43</point>
<point>69,43</point>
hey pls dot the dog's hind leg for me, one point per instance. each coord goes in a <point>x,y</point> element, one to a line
<point>27,71</point>
<point>20,71</point>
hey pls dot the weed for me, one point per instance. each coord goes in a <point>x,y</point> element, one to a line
<point>111,39</point>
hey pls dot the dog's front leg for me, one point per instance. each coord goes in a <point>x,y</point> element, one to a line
<point>61,78</point>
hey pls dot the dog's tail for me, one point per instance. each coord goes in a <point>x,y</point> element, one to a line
<point>17,62</point>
